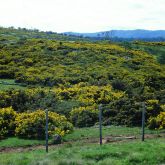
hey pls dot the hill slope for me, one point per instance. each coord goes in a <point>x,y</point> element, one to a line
<point>82,75</point>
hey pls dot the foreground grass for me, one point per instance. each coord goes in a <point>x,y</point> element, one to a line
<point>125,153</point>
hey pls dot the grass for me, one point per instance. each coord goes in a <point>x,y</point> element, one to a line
<point>80,134</point>
<point>125,153</point>
<point>6,84</point>
<point>93,132</point>
<point>16,142</point>
<point>79,152</point>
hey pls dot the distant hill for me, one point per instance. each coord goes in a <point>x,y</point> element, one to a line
<point>12,34</point>
<point>125,34</point>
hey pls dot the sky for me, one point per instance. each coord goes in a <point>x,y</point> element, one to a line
<point>83,15</point>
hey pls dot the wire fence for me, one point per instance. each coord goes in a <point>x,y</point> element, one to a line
<point>118,132</point>
<point>98,133</point>
<point>111,132</point>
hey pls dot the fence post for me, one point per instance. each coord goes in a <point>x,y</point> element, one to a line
<point>46,132</point>
<point>143,120</point>
<point>100,123</point>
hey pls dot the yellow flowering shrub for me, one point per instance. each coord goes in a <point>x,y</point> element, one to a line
<point>151,102</point>
<point>32,125</point>
<point>153,108</point>
<point>7,118</point>
<point>161,120</point>
<point>157,122</point>
<point>88,95</point>
<point>163,107</point>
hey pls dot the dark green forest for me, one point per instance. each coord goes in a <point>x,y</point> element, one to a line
<point>72,76</point>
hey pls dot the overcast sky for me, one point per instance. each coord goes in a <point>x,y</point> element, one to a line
<point>83,15</point>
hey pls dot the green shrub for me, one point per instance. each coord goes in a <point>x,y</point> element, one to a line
<point>118,85</point>
<point>7,118</point>
<point>32,125</point>
<point>84,116</point>
<point>28,99</point>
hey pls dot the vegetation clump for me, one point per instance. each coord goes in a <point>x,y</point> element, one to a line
<point>7,122</point>
<point>31,125</point>
<point>157,122</point>
<point>72,76</point>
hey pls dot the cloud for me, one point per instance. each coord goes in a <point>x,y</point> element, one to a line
<point>83,15</point>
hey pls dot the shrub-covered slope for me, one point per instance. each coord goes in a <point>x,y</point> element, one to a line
<point>81,75</point>
<point>47,62</point>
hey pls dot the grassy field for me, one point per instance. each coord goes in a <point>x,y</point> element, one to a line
<point>16,142</point>
<point>81,147</point>
<point>93,132</point>
<point>150,152</point>
<point>76,135</point>
<point>6,84</point>
<point>90,133</point>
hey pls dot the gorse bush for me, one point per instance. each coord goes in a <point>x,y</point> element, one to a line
<point>7,122</point>
<point>88,95</point>
<point>157,122</point>
<point>32,125</point>
<point>153,108</point>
